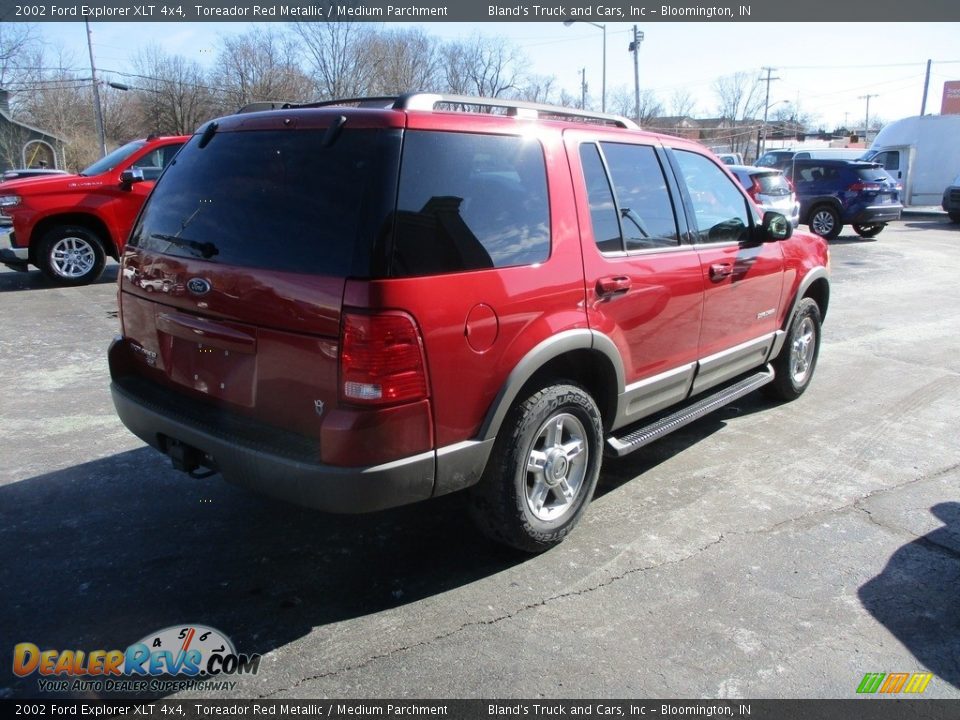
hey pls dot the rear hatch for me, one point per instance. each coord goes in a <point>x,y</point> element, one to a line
<point>876,186</point>
<point>233,278</point>
<point>772,188</point>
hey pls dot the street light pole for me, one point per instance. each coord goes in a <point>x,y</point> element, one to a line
<point>603,99</point>
<point>98,109</point>
<point>635,49</point>
<point>866,121</point>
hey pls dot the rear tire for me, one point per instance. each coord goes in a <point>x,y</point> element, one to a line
<point>954,217</point>
<point>543,470</point>
<point>869,231</point>
<point>71,255</point>
<point>825,222</point>
<point>797,360</point>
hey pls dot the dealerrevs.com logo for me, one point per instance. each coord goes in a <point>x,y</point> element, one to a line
<point>200,656</point>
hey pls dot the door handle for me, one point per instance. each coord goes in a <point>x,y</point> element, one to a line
<point>612,286</point>
<point>719,271</point>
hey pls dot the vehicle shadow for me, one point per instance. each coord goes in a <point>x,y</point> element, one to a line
<point>36,280</point>
<point>619,471</point>
<point>936,224</point>
<point>916,596</point>
<point>99,555</point>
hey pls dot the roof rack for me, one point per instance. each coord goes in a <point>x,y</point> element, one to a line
<point>430,101</point>
<point>516,108</point>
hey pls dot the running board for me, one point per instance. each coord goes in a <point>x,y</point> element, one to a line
<point>646,434</point>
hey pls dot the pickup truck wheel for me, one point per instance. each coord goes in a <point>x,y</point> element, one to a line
<point>825,222</point>
<point>798,358</point>
<point>868,231</point>
<point>71,255</point>
<point>543,470</point>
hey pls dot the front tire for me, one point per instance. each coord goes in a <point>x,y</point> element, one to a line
<point>797,360</point>
<point>825,222</point>
<point>71,255</point>
<point>868,231</point>
<point>543,470</point>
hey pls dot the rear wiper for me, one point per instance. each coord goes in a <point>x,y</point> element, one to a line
<point>206,249</point>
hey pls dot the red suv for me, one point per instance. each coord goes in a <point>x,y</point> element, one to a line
<point>66,225</point>
<point>372,305</point>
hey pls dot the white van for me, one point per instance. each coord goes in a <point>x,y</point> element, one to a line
<point>922,153</point>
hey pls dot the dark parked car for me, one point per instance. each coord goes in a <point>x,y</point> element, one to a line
<point>834,193</point>
<point>951,199</point>
<point>770,189</point>
<point>353,308</point>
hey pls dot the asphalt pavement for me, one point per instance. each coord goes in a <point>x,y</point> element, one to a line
<point>766,551</point>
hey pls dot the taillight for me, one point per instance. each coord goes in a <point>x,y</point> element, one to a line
<point>754,190</point>
<point>381,359</point>
<point>865,187</point>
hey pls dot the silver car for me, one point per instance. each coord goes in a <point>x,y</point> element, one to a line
<point>770,189</point>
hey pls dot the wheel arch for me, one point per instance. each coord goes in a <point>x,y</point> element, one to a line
<point>85,220</point>
<point>585,357</point>
<point>829,200</point>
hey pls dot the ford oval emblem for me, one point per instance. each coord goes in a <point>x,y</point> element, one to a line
<point>199,286</point>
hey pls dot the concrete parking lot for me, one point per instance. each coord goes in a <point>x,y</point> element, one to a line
<point>767,551</point>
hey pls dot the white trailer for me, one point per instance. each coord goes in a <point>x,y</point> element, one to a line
<point>922,153</point>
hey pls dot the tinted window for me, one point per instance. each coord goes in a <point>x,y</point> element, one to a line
<point>646,213</point>
<point>816,173</point>
<point>469,202</point>
<point>603,210</point>
<point>720,210</point>
<point>279,200</point>
<point>874,174</point>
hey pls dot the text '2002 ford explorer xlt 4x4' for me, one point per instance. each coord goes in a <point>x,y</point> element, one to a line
<point>375,302</point>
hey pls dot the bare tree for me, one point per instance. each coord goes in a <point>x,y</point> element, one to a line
<point>18,43</point>
<point>175,98</point>
<point>539,89</point>
<point>405,61</point>
<point>623,102</point>
<point>738,96</point>
<point>340,56</point>
<point>682,103</point>
<point>261,64</point>
<point>485,66</point>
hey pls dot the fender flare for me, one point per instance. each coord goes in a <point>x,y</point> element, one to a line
<point>549,349</point>
<point>811,277</point>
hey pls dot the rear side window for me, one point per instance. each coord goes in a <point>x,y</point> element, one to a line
<point>470,202</point>
<point>278,200</point>
<point>645,208</point>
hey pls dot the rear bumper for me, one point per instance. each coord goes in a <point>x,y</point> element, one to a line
<point>13,257</point>
<point>877,214</point>
<point>324,487</point>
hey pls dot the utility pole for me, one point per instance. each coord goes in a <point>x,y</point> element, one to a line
<point>866,122</point>
<point>635,49</point>
<point>98,109</point>
<point>926,87</point>
<point>583,88</point>
<point>766,107</point>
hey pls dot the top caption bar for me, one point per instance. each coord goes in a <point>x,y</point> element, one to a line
<point>636,11</point>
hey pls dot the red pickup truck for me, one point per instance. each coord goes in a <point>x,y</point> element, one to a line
<point>67,225</point>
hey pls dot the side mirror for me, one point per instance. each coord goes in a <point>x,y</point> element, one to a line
<point>776,226</point>
<point>130,176</point>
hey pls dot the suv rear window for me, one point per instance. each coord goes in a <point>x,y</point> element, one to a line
<point>470,202</point>
<point>279,200</point>
<point>772,183</point>
<point>875,174</point>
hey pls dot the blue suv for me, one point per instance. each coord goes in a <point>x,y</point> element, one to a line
<point>833,193</point>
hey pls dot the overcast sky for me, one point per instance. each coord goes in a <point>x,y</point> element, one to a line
<point>826,67</point>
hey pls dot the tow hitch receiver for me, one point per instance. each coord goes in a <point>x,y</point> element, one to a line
<point>188,459</point>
